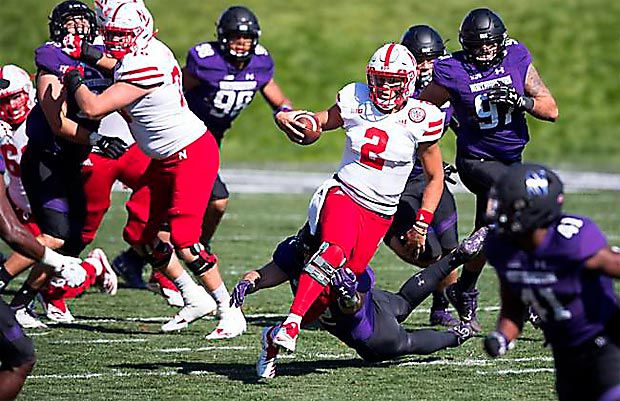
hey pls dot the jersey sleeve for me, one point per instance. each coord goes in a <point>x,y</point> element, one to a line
<point>46,59</point>
<point>442,72</point>
<point>197,57</point>
<point>433,124</point>
<point>348,103</point>
<point>140,72</point>
<point>586,243</point>
<point>519,56</point>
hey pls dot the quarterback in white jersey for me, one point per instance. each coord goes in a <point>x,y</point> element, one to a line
<point>185,157</point>
<point>385,130</point>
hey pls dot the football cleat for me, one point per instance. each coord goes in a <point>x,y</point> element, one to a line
<point>232,324</point>
<point>442,317</point>
<point>28,319</point>
<point>107,280</point>
<point>471,246</point>
<point>463,332</point>
<point>162,285</point>
<point>266,364</point>
<point>56,310</point>
<point>129,266</point>
<point>286,336</point>
<point>198,305</point>
<point>465,303</point>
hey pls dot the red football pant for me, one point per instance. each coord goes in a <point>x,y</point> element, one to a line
<point>356,230</point>
<point>180,188</point>
<point>99,175</point>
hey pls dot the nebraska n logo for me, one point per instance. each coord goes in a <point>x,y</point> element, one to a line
<point>183,154</point>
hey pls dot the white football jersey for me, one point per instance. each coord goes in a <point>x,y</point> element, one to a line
<point>381,148</point>
<point>115,125</point>
<point>12,147</point>
<point>160,122</point>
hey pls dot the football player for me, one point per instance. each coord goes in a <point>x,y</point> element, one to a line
<point>220,79</point>
<point>16,350</point>
<point>561,265</point>
<point>426,45</point>
<point>365,318</point>
<point>147,88</point>
<point>385,129</point>
<point>51,164</point>
<point>491,84</point>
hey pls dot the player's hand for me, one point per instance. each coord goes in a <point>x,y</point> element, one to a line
<point>285,120</point>
<point>73,79</point>
<point>242,288</point>
<point>58,261</point>
<point>74,274</point>
<point>72,45</point>
<point>345,283</point>
<point>503,94</point>
<point>448,170</point>
<point>111,147</point>
<point>415,238</point>
<point>495,344</point>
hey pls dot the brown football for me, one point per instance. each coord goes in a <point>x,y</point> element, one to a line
<point>311,130</point>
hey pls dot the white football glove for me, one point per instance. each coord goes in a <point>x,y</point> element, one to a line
<point>74,275</point>
<point>58,261</point>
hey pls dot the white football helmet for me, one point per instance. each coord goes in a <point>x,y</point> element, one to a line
<point>103,8</point>
<point>127,28</point>
<point>18,98</point>
<point>391,76</point>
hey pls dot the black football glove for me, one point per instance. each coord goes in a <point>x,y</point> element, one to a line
<point>448,170</point>
<point>110,147</point>
<point>495,344</point>
<point>507,95</point>
<point>73,79</point>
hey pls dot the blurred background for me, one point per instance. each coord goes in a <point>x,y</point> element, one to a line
<point>321,45</point>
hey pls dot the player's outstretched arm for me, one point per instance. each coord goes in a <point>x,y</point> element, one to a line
<point>330,119</point>
<point>509,323</point>
<point>267,276</point>
<point>607,261</point>
<point>435,94</point>
<point>545,106</point>
<point>276,98</point>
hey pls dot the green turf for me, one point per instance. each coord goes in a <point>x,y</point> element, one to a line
<point>321,45</point>
<point>135,366</point>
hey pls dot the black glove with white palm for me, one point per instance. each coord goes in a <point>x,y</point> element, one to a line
<point>508,96</point>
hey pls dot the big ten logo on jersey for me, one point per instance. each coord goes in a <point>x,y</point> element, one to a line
<point>233,96</point>
<point>489,115</point>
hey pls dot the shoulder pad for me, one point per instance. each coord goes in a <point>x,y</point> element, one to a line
<point>204,50</point>
<point>259,50</point>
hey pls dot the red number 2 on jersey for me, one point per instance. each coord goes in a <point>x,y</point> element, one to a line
<point>374,161</point>
<point>176,78</point>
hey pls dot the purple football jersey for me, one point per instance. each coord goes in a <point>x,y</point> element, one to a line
<point>486,130</point>
<point>2,165</point>
<point>50,58</point>
<point>574,303</point>
<point>224,90</point>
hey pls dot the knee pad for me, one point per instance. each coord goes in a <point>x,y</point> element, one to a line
<point>204,262</point>
<point>323,264</point>
<point>159,255</point>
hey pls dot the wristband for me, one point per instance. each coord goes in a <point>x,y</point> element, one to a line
<point>52,258</point>
<point>526,103</point>
<point>284,107</point>
<point>424,216</point>
<point>94,137</point>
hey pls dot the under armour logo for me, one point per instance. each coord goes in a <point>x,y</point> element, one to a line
<point>420,280</point>
<point>499,70</point>
<point>249,77</point>
<point>183,154</point>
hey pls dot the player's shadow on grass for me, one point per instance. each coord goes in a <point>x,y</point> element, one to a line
<point>246,373</point>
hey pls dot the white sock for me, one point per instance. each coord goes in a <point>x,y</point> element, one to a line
<point>221,296</point>
<point>185,283</point>
<point>293,318</point>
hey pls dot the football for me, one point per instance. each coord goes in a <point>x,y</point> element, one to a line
<point>311,130</point>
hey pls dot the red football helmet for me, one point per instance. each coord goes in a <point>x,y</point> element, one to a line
<point>391,76</point>
<point>17,99</point>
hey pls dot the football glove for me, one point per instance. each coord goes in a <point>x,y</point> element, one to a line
<point>448,170</point>
<point>345,282</point>
<point>242,288</point>
<point>73,79</point>
<point>495,344</point>
<point>110,147</point>
<point>73,274</point>
<point>507,95</point>
<point>58,261</point>
<point>77,48</point>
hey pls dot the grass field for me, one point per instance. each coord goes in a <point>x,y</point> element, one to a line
<point>115,351</point>
<point>321,45</point>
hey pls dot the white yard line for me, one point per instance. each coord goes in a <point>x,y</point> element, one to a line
<point>210,348</point>
<point>101,341</point>
<point>476,362</point>
<point>504,372</point>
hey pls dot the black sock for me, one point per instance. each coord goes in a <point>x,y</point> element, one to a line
<point>439,301</point>
<point>24,296</point>
<point>420,286</point>
<point>468,280</point>
<point>5,278</point>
